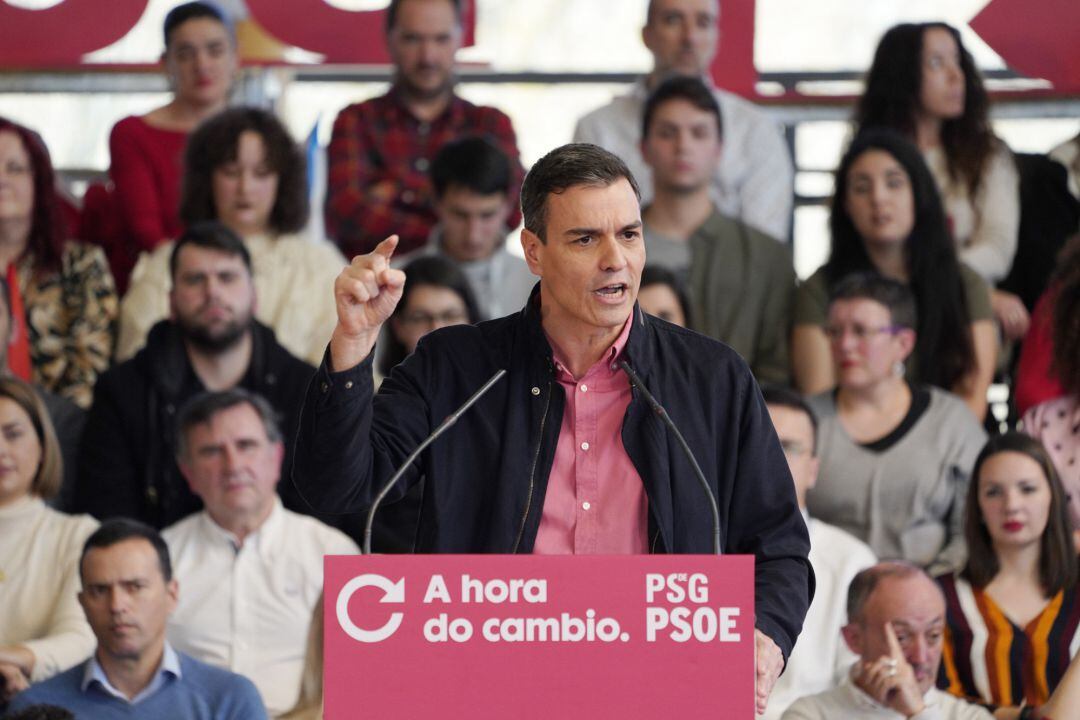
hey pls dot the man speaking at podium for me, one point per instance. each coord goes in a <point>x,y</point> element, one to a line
<point>562,455</point>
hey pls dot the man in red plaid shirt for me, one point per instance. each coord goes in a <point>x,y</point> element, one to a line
<point>381,150</point>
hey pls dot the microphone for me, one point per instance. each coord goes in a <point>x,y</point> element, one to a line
<point>443,427</point>
<point>657,408</point>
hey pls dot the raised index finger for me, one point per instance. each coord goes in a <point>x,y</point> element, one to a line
<point>386,247</point>
<point>895,651</point>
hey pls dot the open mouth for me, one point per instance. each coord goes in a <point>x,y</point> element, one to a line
<point>614,291</point>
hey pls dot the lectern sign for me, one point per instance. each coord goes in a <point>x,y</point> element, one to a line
<point>499,636</point>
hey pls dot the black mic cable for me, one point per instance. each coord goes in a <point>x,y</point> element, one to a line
<point>443,427</point>
<point>659,410</point>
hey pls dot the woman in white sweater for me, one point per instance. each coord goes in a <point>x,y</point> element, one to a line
<point>242,168</point>
<point>42,628</point>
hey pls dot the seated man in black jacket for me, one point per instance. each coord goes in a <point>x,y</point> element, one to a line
<point>563,455</point>
<point>127,461</point>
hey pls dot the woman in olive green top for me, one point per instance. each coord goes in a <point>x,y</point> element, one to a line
<point>887,217</point>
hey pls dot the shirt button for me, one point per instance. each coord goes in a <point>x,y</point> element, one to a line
<point>586,505</point>
<point>324,387</point>
<point>422,164</point>
<point>584,388</point>
<point>348,385</point>
<point>584,446</point>
<point>536,391</point>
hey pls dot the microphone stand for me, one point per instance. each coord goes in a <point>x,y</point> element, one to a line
<point>657,408</point>
<point>443,427</point>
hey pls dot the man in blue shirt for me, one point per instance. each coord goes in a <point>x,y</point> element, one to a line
<point>128,594</point>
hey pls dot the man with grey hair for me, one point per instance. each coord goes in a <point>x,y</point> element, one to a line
<point>896,625</point>
<point>562,456</point>
<point>754,178</point>
<point>251,570</point>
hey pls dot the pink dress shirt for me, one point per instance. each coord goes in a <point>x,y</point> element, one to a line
<point>595,501</point>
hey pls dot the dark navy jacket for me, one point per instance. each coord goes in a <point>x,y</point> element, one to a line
<point>486,478</point>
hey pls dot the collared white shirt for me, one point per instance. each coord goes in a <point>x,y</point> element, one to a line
<point>247,608</point>
<point>167,671</point>
<point>754,179</point>
<point>821,658</point>
<point>849,702</point>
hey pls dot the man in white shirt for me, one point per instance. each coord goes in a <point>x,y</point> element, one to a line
<point>754,179</point>
<point>896,625</point>
<point>251,570</point>
<point>820,658</point>
<point>472,182</point>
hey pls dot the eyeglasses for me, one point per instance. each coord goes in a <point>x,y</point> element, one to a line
<point>450,317</point>
<point>862,333</point>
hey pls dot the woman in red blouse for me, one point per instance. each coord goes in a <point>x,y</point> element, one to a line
<point>200,61</point>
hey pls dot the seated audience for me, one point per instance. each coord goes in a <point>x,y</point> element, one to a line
<point>243,169</point>
<point>437,294</point>
<point>251,570</point>
<point>663,295</point>
<point>42,630</point>
<point>128,595</point>
<point>924,83</point>
<point>471,179</point>
<point>887,217</point>
<point>200,62</point>
<point>753,180</point>
<point>895,455</point>
<point>1057,422</point>
<point>820,659</point>
<point>1013,610</point>
<point>62,298</point>
<point>381,150</point>
<point>741,282</point>
<point>896,622</point>
<point>68,419</point>
<point>127,459</point>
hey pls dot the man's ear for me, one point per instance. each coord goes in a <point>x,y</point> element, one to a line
<point>853,637</point>
<point>533,247</point>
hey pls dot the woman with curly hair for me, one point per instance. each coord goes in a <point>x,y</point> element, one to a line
<point>924,84</point>
<point>243,169</point>
<point>887,219</point>
<point>1057,422</point>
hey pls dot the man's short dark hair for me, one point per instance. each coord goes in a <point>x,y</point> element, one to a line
<point>894,295</point>
<point>392,12</point>
<point>118,530</point>
<point>563,168</point>
<point>866,581</point>
<point>786,397</point>
<point>202,408</point>
<point>211,235</point>
<point>691,89</point>
<point>192,11</point>
<point>473,164</point>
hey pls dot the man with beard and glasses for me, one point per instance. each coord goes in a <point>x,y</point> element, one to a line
<point>209,343</point>
<point>381,150</point>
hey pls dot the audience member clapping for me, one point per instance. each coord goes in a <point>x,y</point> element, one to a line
<point>887,217</point>
<point>243,169</point>
<point>472,182</point>
<point>200,62</point>
<point>63,300</point>
<point>741,281</point>
<point>1057,422</point>
<point>663,295</point>
<point>42,629</point>
<point>251,570</point>
<point>895,455</point>
<point>924,84</point>
<point>1012,611</point>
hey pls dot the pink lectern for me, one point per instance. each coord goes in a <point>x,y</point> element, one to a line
<point>508,636</point>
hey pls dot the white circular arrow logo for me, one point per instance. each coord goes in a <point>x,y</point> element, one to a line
<point>392,593</point>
